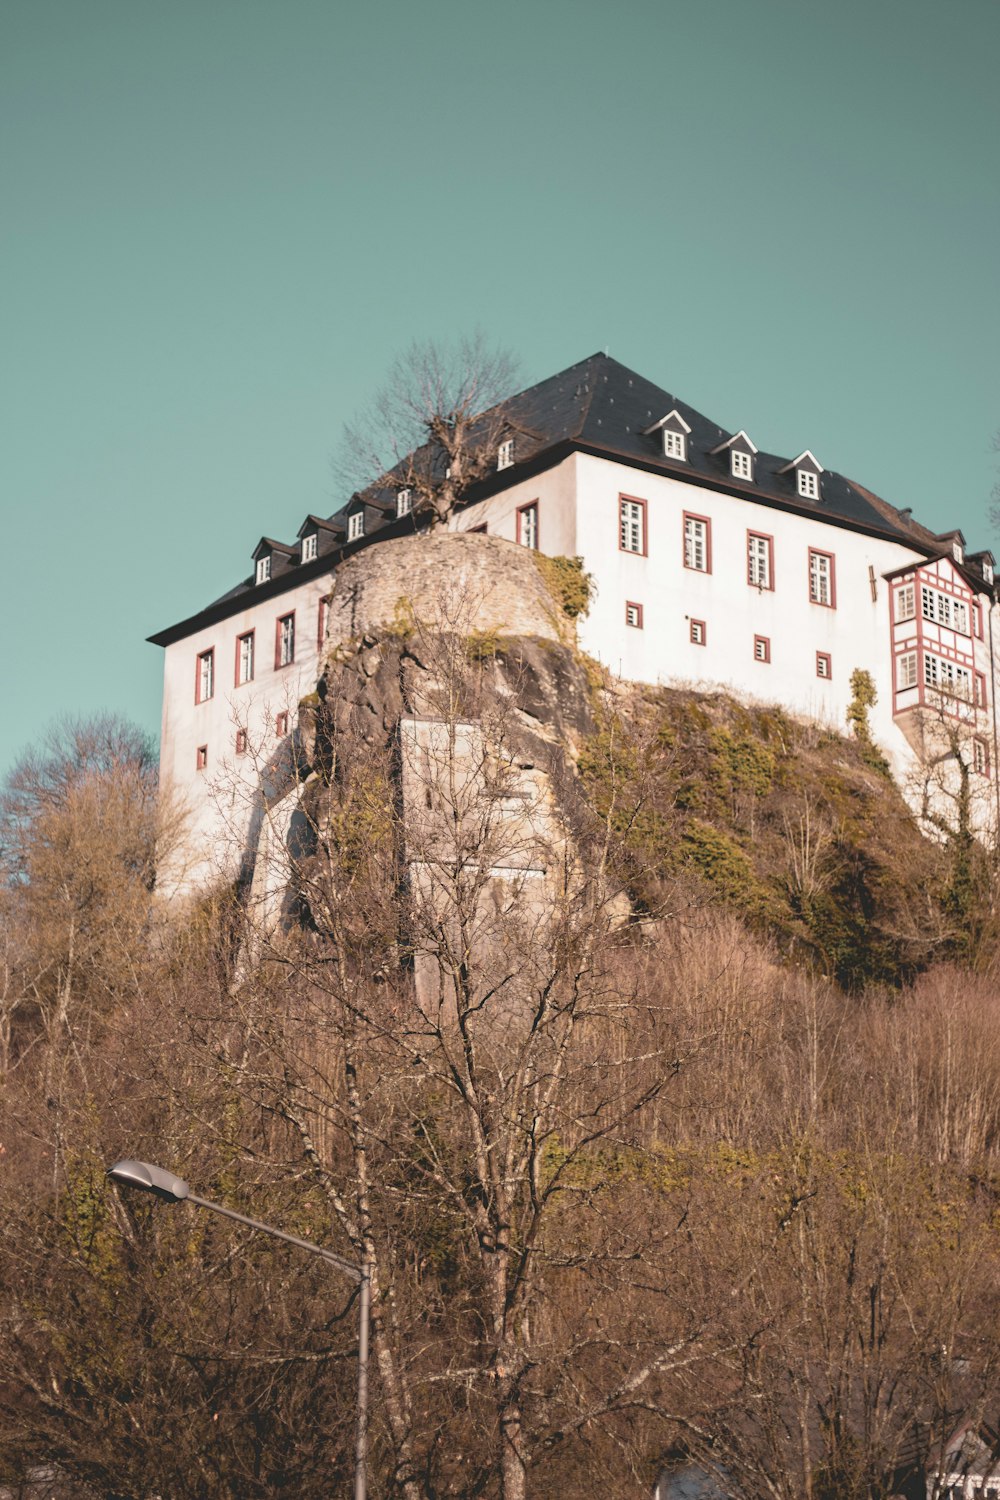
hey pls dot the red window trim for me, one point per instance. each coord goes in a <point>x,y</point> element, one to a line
<point>632,604</point>
<point>704,632</point>
<point>634,500</point>
<point>279,665</point>
<point>763,536</point>
<point>531,505</point>
<point>828,674</point>
<point>692,515</point>
<point>201,758</point>
<point>979,679</point>
<point>237,681</point>
<point>764,640</point>
<point>210,651</point>
<point>977,739</point>
<point>818,552</point>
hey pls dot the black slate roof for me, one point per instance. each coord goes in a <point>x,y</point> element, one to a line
<point>601,406</point>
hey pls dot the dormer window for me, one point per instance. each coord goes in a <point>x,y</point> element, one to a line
<point>674,433</point>
<point>310,546</point>
<point>263,568</point>
<point>356,526</point>
<point>404,502</point>
<point>505,454</point>
<point>958,551</point>
<point>987,572</point>
<point>742,453</point>
<point>807,471</point>
<point>674,445</point>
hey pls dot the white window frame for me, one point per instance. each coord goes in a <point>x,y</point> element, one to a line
<point>824,665</point>
<point>310,546</point>
<point>906,601</point>
<point>808,484</point>
<point>675,445</point>
<point>356,526</point>
<point>633,614</point>
<point>631,526</point>
<point>206,675</point>
<point>263,572</point>
<point>286,640</point>
<point>697,632</point>
<point>404,502</point>
<point>759,556</point>
<point>906,671</point>
<point>762,648</point>
<point>821,579</point>
<point>980,757</point>
<point>505,454</point>
<point>245,652</point>
<point>697,544</point>
<point>740,463</point>
<point>527,526</point>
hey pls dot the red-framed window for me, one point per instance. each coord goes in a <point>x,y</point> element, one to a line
<point>760,560</point>
<point>824,665</point>
<point>204,675</point>
<point>980,756</point>
<point>527,525</point>
<point>241,742</point>
<point>633,614</point>
<point>632,525</point>
<point>980,688</point>
<point>697,542</point>
<point>281,723</point>
<point>201,758</point>
<point>246,648</point>
<point>822,578</point>
<point>697,632</point>
<point>762,648</point>
<point>284,640</point>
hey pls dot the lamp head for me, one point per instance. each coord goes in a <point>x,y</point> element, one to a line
<point>156,1180</point>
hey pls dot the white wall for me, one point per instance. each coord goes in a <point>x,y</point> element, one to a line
<point>219,800</point>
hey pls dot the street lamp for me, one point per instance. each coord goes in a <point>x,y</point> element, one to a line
<point>163,1184</point>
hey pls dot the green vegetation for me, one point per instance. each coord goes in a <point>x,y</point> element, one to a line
<point>566,581</point>
<point>800,831</point>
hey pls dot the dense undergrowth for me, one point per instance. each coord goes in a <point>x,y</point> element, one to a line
<point>798,829</point>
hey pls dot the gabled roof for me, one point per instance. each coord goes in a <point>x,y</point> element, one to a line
<point>268,544</point>
<point>673,420</point>
<point>318,523</point>
<point>738,440</point>
<point>805,460</point>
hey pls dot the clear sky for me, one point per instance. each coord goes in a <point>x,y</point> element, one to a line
<point>221,219</point>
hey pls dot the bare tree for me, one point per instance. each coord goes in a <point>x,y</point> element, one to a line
<point>433,428</point>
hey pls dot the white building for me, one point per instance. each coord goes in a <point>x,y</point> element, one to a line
<point>714,564</point>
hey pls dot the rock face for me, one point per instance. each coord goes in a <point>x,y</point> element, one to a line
<point>455,582</point>
<point>447,654</point>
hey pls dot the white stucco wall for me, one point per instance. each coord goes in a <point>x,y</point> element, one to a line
<point>854,633</point>
<point>219,801</point>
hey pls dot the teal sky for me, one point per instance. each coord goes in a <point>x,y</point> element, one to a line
<point>221,219</point>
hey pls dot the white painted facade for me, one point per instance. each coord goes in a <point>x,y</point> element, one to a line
<point>759,600</point>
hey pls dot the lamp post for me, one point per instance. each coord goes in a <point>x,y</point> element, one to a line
<point>163,1184</point>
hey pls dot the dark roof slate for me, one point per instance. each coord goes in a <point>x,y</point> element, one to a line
<point>601,405</point>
